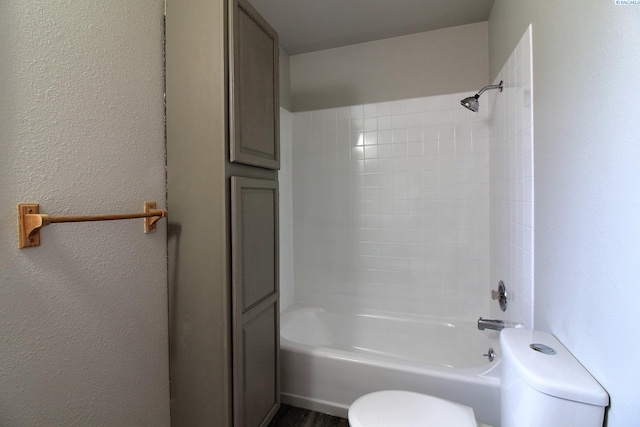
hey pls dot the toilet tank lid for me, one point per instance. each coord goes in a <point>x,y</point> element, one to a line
<point>559,375</point>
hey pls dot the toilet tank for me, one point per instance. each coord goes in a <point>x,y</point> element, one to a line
<point>548,386</point>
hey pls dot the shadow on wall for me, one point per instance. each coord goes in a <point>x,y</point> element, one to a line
<point>333,97</point>
<point>174,231</point>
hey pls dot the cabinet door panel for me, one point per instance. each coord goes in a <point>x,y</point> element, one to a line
<point>256,332</point>
<point>258,245</point>
<point>260,366</point>
<point>254,89</point>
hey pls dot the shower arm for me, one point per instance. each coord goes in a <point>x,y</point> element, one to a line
<point>498,86</point>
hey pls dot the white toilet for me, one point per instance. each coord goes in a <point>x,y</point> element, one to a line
<point>542,385</point>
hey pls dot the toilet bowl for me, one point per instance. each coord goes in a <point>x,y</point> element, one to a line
<point>407,409</point>
<point>541,384</point>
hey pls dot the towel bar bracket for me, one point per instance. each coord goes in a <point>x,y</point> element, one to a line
<point>150,222</point>
<point>29,225</point>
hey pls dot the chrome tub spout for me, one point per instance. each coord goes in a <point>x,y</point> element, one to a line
<point>496,325</point>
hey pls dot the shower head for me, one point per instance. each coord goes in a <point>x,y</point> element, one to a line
<point>472,102</point>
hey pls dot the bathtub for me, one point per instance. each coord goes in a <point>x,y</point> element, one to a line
<point>330,357</point>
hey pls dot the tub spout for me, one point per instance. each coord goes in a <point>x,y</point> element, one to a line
<point>496,325</point>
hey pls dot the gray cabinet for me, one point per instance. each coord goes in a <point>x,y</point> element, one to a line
<point>222,121</point>
<point>254,103</point>
<point>255,312</point>
<point>254,124</point>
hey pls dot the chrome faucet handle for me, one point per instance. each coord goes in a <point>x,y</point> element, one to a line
<point>501,295</point>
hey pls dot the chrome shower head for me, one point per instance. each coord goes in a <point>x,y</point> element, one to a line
<point>472,102</point>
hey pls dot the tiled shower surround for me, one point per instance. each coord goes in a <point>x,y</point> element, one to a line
<point>512,185</point>
<point>418,206</point>
<point>391,207</point>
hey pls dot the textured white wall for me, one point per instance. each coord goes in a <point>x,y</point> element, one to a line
<point>84,316</point>
<point>424,64</point>
<point>587,181</point>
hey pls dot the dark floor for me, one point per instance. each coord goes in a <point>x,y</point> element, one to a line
<point>290,416</point>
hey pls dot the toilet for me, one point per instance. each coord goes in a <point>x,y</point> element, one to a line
<point>542,384</point>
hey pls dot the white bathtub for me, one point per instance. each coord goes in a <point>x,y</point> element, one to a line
<point>329,358</point>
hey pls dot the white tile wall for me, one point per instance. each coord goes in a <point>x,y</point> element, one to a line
<point>512,185</point>
<point>285,181</point>
<point>393,202</point>
<point>391,207</point>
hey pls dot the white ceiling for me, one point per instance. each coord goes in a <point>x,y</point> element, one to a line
<point>310,25</point>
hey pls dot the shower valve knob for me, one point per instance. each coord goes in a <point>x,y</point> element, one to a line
<point>501,295</point>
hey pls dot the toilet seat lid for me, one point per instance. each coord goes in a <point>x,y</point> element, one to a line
<point>407,409</point>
